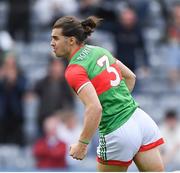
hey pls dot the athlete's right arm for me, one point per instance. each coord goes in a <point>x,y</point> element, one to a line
<point>129,76</point>
<point>93,111</point>
<point>78,79</point>
<point>92,117</point>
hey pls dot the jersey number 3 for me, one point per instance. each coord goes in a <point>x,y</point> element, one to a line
<point>110,69</point>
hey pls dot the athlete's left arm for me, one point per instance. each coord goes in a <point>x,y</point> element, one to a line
<point>92,117</point>
<point>129,76</point>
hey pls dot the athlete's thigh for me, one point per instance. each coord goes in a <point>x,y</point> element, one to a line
<point>111,168</point>
<point>149,160</point>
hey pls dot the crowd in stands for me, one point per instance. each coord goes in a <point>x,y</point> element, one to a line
<point>40,116</point>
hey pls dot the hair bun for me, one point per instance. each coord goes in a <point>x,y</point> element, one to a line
<point>89,24</point>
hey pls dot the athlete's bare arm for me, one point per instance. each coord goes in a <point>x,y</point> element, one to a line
<point>92,117</point>
<point>129,76</point>
<point>93,111</point>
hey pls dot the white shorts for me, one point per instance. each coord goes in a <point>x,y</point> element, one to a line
<point>139,133</point>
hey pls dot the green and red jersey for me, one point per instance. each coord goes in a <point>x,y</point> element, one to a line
<point>96,65</point>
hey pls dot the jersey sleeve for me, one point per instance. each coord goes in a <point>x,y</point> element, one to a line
<point>76,77</point>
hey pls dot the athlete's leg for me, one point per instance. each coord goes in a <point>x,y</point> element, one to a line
<point>111,168</point>
<point>149,161</point>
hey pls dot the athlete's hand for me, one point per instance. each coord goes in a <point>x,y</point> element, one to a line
<point>78,151</point>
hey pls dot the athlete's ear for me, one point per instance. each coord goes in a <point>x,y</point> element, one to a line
<point>72,40</point>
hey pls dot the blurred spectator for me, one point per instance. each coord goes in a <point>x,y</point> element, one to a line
<point>173,58</point>
<point>53,92</point>
<point>88,7</point>
<point>130,44</point>
<point>48,11</point>
<point>157,17</point>
<point>49,151</point>
<point>12,91</point>
<point>31,130</point>
<point>102,9</point>
<point>171,132</point>
<point>141,7</point>
<point>69,132</point>
<point>173,63</point>
<point>6,45</point>
<point>174,26</point>
<point>19,19</point>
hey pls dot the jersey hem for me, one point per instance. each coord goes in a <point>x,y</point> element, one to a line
<point>119,125</point>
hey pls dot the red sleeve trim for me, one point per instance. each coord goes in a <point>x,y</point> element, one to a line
<point>76,77</point>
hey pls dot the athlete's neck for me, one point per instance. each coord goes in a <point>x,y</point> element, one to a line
<point>74,49</point>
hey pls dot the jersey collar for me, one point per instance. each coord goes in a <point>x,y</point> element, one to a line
<point>76,50</point>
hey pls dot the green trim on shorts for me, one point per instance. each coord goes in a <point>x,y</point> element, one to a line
<point>103,148</point>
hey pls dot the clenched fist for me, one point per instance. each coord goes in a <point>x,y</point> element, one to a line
<point>78,151</point>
